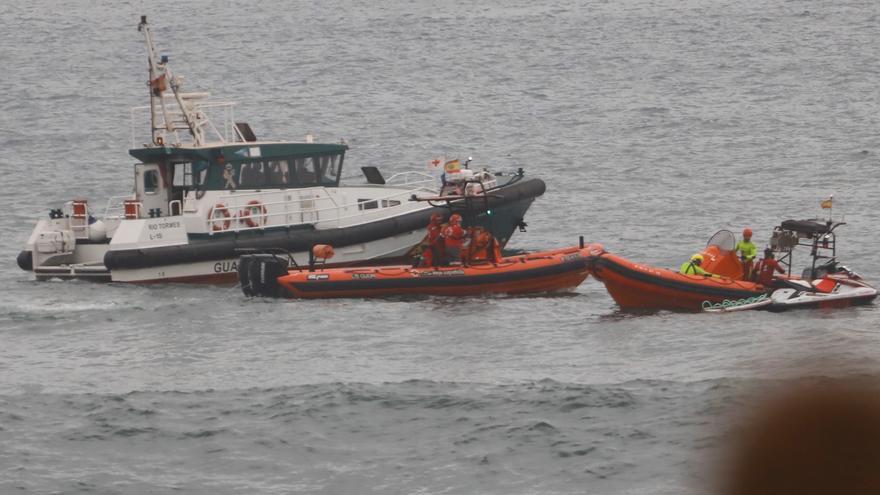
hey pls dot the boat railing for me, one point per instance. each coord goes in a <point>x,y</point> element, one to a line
<point>410,178</point>
<point>116,206</point>
<point>306,207</point>
<point>171,126</point>
<point>175,205</point>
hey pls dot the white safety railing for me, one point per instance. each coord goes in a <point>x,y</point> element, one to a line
<point>175,131</point>
<point>257,211</point>
<point>175,206</point>
<point>411,178</point>
<point>116,206</point>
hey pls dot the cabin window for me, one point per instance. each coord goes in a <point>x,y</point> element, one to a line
<point>303,172</point>
<point>328,169</point>
<point>251,175</point>
<point>367,204</point>
<point>183,174</point>
<point>277,172</point>
<point>151,181</point>
<point>200,173</point>
<point>387,203</point>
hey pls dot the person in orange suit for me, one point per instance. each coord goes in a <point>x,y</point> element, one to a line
<point>453,238</point>
<point>433,251</point>
<point>482,246</point>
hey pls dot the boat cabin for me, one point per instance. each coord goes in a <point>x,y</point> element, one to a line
<point>167,174</point>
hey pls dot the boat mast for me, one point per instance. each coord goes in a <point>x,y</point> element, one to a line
<point>160,79</point>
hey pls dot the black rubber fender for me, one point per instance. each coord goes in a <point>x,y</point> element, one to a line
<point>25,260</point>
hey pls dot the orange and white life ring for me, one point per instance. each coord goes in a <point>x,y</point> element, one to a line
<point>227,220</point>
<point>253,214</point>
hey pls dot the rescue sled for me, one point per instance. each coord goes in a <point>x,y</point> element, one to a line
<point>273,275</point>
<point>637,286</point>
<point>731,306</point>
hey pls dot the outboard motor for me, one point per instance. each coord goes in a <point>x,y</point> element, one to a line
<point>258,274</point>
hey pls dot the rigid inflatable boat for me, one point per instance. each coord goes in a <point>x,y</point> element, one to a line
<point>640,286</point>
<point>271,275</point>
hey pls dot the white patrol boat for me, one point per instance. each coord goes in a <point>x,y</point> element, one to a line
<point>204,193</point>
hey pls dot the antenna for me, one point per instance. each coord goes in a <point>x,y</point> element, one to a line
<point>161,78</point>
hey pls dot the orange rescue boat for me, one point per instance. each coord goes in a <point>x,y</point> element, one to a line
<point>640,286</point>
<point>271,275</point>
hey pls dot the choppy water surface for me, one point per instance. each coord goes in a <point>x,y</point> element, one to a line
<point>654,123</point>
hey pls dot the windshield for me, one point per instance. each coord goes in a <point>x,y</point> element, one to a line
<point>724,240</point>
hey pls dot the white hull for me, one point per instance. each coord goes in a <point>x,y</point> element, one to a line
<point>843,295</point>
<point>61,247</point>
<point>225,270</point>
<point>846,292</point>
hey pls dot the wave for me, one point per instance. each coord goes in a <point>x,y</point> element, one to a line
<point>537,432</point>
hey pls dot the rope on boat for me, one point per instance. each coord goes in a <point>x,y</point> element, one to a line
<point>728,303</point>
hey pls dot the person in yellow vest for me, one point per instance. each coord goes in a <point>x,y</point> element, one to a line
<point>692,267</point>
<point>747,252</point>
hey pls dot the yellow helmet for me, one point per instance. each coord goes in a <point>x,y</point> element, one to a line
<point>697,258</point>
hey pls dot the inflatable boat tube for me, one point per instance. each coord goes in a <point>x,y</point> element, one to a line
<point>525,274</point>
<point>640,286</point>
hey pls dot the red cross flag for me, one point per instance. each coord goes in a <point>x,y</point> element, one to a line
<point>435,165</point>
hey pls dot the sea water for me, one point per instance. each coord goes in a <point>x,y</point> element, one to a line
<point>654,123</point>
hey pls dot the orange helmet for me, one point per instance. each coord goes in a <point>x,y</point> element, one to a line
<point>455,219</point>
<point>747,233</point>
<point>436,218</point>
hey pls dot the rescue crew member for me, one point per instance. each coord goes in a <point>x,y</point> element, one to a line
<point>453,238</point>
<point>747,252</point>
<point>692,267</point>
<point>482,246</point>
<point>432,252</point>
<point>766,267</point>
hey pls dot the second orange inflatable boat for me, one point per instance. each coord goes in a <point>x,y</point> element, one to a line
<point>640,286</point>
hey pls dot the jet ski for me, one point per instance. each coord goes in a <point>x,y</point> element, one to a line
<point>825,283</point>
<point>828,292</point>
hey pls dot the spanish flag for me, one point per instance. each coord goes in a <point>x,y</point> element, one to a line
<point>827,203</point>
<point>452,167</point>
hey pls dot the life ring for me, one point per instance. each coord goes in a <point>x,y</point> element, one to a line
<point>250,211</point>
<point>219,227</point>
